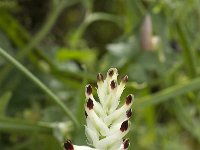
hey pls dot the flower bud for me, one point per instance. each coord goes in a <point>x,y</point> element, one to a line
<point>148,42</point>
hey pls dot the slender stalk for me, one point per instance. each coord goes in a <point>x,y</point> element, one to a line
<point>43,87</point>
<point>168,93</point>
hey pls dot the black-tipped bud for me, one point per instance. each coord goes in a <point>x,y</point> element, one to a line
<point>99,77</point>
<point>126,143</point>
<point>68,145</point>
<point>90,104</point>
<point>129,113</point>
<point>124,126</point>
<point>89,89</point>
<point>129,99</point>
<point>124,79</point>
<point>113,84</point>
<point>110,72</point>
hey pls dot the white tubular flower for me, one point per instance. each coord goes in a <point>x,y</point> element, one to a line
<point>106,122</point>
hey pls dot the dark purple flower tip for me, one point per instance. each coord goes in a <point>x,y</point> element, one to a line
<point>99,77</point>
<point>129,99</point>
<point>89,89</point>
<point>90,104</point>
<point>126,143</point>
<point>113,84</point>
<point>125,79</point>
<point>124,126</point>
<point>110,72</point>
<point>68,145</point>
<point>129,113</point>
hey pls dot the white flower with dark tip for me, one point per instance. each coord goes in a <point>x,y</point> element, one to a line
<point>106,122</point>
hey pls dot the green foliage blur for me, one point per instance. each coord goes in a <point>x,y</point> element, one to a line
<point>65,43</point>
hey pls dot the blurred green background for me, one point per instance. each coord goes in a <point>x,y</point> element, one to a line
<point>65,43</point>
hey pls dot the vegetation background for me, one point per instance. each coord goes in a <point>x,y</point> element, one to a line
<point>65,43</point>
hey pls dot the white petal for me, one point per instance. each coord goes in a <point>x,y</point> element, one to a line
<point>97,122</point>
<point>97,107</point>
<point>110,140</point>
<point>101,91</point>
<point>83,148</point>
<point>118,113</point>
<point>117,145</point>
<point>117,94</point>
<point>92,136</point>
<point>111,99</point>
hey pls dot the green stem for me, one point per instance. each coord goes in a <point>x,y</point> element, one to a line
<point>39,84</point>
<point>168,93</point>
<point>19,126</point>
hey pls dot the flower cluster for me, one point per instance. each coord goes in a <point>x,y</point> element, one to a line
<point>106,122</point>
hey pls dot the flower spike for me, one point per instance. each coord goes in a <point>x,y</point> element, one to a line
<point>106,122</point>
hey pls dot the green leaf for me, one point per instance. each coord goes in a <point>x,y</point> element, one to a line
<point>4,99</point>
<point>85,56</point>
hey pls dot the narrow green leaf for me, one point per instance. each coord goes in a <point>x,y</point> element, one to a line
<point>168,93</point>
<point>4,99</point>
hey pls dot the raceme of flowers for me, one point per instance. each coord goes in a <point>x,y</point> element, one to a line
<point>106,122</point>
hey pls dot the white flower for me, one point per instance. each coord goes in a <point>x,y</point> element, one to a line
<point>106,122</point>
